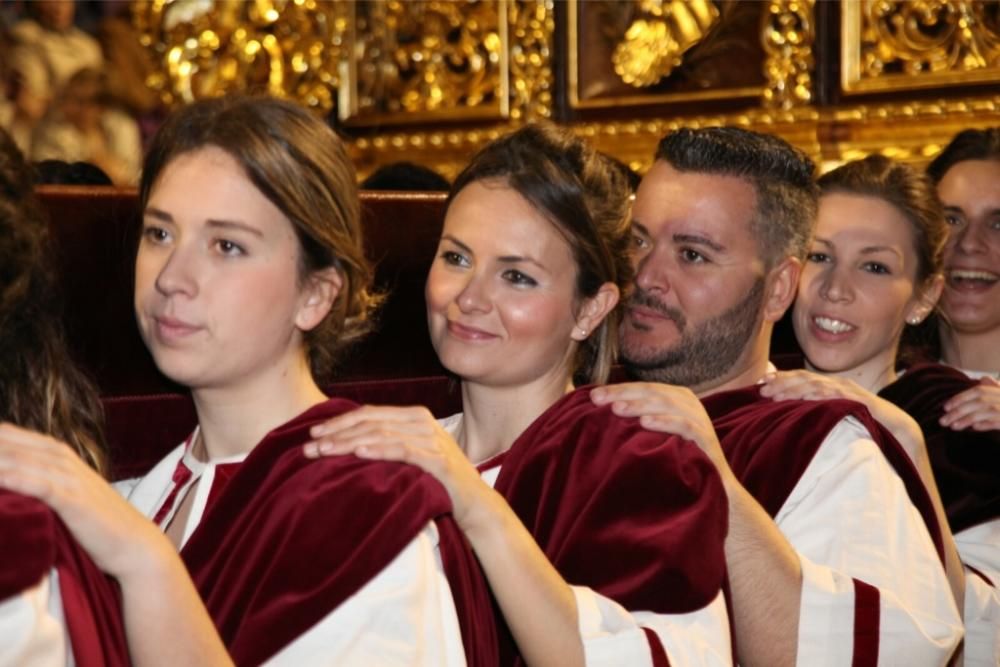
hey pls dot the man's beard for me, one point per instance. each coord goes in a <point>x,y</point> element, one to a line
<point>705,353</point>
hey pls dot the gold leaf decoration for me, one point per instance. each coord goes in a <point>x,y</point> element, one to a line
<point>288,48</point>
<point>427,56</point>
<point>788,33</point>
<point>929,36</point>
<point>532,26</point>
<point>655,44</point>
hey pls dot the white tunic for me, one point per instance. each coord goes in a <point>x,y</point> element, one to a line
<point>33,629</point>
<point>979,546</point>
<point>613,635</point>
<point>982,622</point>
<point>849,518</point>
<point>403,616</point>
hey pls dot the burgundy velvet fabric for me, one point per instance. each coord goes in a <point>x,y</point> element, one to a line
<point>770,443</point>
<point>867,620</point>
<point>34,542</point>
<point>142,429</point>
<point>966,463</point>
<point>638,516</point>
<point>289,539</point>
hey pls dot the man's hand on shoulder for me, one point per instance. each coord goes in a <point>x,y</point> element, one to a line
<point>667,409</point>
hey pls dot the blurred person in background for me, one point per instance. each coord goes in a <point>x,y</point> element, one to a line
<point>81,127</point>
<point>46,50</point>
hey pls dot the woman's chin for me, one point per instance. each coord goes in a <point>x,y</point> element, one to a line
<point>823,361</point>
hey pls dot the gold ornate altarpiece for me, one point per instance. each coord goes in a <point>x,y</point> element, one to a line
<point>431,81</point>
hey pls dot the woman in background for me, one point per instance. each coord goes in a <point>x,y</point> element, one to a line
<point>873,269</point>
<point>250,276</point>
<point>56,605</point>
<point>967,175</point>
<point>602,542</point>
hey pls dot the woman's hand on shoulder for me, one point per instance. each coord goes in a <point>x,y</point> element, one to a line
<point>408,435</point>
<point>666,409</point>
<point>120,540</point>
<point>977,408</point>
<point>809,386</point>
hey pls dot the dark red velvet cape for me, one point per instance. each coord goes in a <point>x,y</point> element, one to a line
<point>770,443</point>
<point>289,539</point>
<point>638,516</point>
<point>32,542</point>
<point>966,463</point>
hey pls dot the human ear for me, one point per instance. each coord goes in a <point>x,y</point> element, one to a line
<point>781,285</point>
<point>925,299</point>
<point>594,309</point>
<point>318,296</point>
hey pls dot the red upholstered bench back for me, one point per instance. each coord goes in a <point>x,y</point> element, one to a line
<point>95,229</point>
<point>94,232</point>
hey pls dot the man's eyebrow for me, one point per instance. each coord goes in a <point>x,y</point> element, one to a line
<point>697,239</point>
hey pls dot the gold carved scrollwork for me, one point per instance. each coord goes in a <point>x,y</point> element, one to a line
<point>929,36</point>
<point>655,43</point>
<point>893,44</point>
<point>788,34</point>
<point>446,60</point>
<point>288,48</point>
<point>415,57</point>
<point>532,25</point>
<point>382,61</point>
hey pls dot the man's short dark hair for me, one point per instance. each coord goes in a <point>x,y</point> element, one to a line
<point>781,175</point>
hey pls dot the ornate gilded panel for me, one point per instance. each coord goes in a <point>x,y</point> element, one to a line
<point>288,48</point>
<point>788,32</point>
<point>419,61</point>
<point>438,61</point>
<point>891,45</point>
<point>377,61</point>
<point>662,51</point>
<point>433,80</point>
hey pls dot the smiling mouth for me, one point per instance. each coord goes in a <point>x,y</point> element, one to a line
<point>970,278</point>
<point>831,325</point>
<point>469,333</point>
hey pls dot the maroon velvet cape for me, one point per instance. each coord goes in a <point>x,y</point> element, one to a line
<point>33,541</point>
<point>638,516</point>
<point>288,539</point>
<point>770,443</point>
<point>966,463</point>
